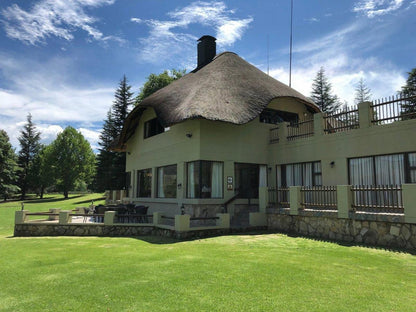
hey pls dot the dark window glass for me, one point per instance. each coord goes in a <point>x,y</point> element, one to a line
<point>247,180</point>
<point>204,179</point>
<point>152,127</point>
<point>166,182</point>
<point>272,116</point>
<point>128,183</point>
<point>144,183</point>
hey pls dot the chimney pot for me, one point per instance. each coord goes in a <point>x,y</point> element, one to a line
<point>207,49</point>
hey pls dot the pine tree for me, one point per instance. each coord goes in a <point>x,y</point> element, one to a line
<point>111,165</point>
<point>362,92</point>
<point>322,93</point>
<point>8,167</point>
<point>409,91</point>
<point>29,147</point>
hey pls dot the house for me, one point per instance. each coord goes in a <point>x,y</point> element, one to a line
<point>208,141</point>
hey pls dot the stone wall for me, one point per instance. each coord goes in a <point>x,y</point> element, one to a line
<point>30,229</point>
<point>355,230</point>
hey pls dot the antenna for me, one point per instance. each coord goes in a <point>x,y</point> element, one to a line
<point>267,54</point>
<point>290,52</point>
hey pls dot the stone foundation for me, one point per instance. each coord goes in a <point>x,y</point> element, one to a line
<point>380,231</point>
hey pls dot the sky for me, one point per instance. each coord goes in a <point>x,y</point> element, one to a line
<point>62,60</point>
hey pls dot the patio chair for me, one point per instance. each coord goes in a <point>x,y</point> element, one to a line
<point>141,213</point>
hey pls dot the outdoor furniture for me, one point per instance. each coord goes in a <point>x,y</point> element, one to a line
<point>140,213</point>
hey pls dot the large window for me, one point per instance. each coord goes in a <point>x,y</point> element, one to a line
<point>394,169</point>
<point>205,179</point>
<point>152,127</point>
<point>144,183</point>
<point>248,178</point>
<point>166,182</point>
<point>305,174</point>
<point>272,116</point>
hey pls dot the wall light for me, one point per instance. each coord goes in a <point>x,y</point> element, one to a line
<point>332,163</point>
<point>189,135</point>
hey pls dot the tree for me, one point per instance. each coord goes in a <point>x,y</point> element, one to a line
<point>155,82</point>
<point>362,92</point>
<point>322,93</point>
<point>29,147</point>
<point>111,165</point>
<point>42,173</point>
<point>72,159</point>
<point>409,90</point>
<point>8,167</point>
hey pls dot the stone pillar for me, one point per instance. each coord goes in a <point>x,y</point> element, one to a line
<point>20,216</point>
<point>365,114</point>
<point>64,217</point>
<point>182,223</point>
<point>263,198</point>
<point>114,196</point>
<point>257,219</point>
<point>295,199</point>
<point>318,124</point>
<point>109,217</point>
<point>409,202</point>
<point>344,201</point>
<point>157,216</point>
<point>54,210</point>
<point>223,221</point>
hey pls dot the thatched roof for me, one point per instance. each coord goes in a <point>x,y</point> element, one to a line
<point>227,89</point>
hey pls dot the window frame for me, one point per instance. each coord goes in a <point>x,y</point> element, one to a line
<point>157,181</point>
<point>138,189</point>
<point>200,179</point>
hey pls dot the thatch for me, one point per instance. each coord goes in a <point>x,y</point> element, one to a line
<point>227,89</point>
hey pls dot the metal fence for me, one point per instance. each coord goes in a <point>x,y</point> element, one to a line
<point>274,135</point>
<point>319,197</point>
<point>301,129</point>
<point>394,108</point>
<point>380,198</point>
<point>342,120</point>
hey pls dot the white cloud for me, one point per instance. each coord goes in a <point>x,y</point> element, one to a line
<point>48,92</point>
<point>372,8</point>
<point>165,39</point>
<point>52,18</point>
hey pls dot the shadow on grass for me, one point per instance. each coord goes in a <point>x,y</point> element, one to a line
<point>89,200</point>
<point>353,244</point>
<point>51,199</point>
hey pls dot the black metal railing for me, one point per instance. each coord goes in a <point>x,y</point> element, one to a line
<point>274,135</point>
<point>301,129</point>
<point>282,197</point>
<point>394,108</point>
<point>319,197</point>
<point>342,120</point>
<point>380,198</point>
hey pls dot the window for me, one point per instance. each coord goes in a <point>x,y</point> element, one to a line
<point>205,179</point>
<point>304,174</point>
<point>166,182</point>
<point>248,178</point>
<point>394,169</point>
<point>272,116</point>
<point>152,127</point>
<point>144,183</point>
<point>128,183</point>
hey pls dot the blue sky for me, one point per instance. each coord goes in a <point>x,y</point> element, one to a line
<point>61,60</point>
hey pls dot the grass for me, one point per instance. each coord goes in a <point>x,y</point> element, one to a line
<point>270,272</point>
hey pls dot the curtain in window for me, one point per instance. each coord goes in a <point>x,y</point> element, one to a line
<point>412,165</point>
<point>216,180</point>
<point>191,180</point>
<point>389,169</point>
<point>160,183</point>
<point>307,174</point>
<point>318,173</point>
<point>262,176</point>
<point>361,171</point>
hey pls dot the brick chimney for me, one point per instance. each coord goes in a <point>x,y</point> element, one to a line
<point>207,49</point>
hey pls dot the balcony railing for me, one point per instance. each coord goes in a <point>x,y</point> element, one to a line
<point>301,129</point>
<point>342,120</point>
<point>394,108</point>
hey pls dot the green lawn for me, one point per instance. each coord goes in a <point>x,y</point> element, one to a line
<point>232,273</point>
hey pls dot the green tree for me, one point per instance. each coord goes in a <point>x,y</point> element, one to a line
<point>111,166</point>
<point>42,172</point>
<point>29,147</point>
<point>362,92</point>
<point>8,167</point>
<point>322,93</point>
<point>409,90</point>
<point>72,159</point>
<point>155,82</point>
